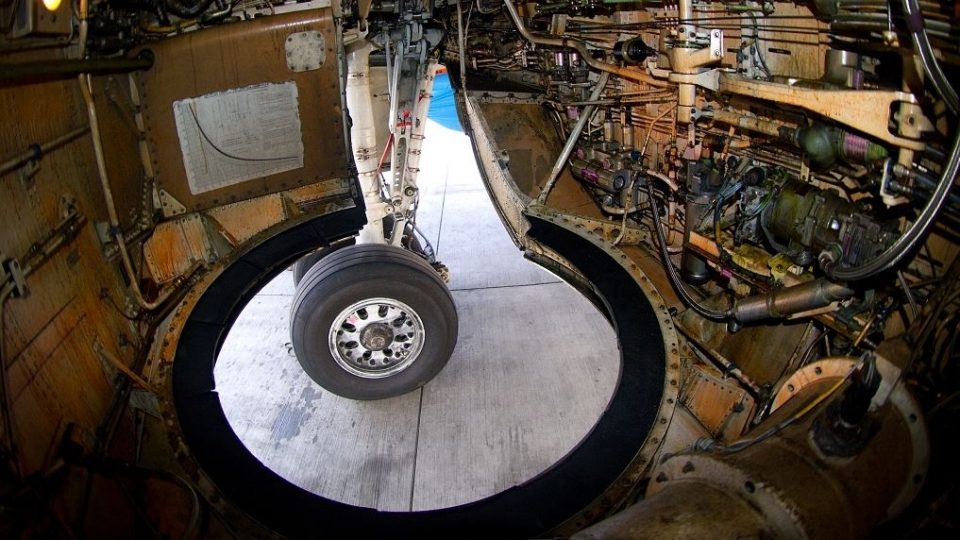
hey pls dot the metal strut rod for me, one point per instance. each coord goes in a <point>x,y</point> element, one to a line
<point>572,140</point>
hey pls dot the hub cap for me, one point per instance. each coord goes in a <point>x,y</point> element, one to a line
<point>376,338</point>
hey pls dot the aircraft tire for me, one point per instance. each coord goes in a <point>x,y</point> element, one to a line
<point>372,322</point>
<point>306,262</point>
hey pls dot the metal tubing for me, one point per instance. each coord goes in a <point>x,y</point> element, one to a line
<point>36,151</point>
<point>56,69</point>
<point>86,88</point>
<point>572,139</point>
<point>746,122</point>
<point>781,303</point>
<point>580,47</point>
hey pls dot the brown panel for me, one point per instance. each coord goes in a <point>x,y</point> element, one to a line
<point>121,150</point>
<point>175,246</point>
<point>234,56</point>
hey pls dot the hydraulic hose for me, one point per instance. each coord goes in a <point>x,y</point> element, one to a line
<point>921,43</point>
<point>703,311</point>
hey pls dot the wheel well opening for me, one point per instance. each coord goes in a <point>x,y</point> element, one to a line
<point>531,508</point>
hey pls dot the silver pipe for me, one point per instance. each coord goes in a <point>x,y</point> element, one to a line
<point>572,139</point>
<point>782,303</point>
<point>36,151</point>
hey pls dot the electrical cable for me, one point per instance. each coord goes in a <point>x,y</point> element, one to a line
<point>904,244</point>
<point>703,311</point>
<point>923,48</point>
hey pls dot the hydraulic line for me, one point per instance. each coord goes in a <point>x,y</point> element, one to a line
<point>921,43</point>
<point>36,151</point>
<point>581,48</point>
<point>86,89</point>
<point>53,69</point>
<point>703,311</point>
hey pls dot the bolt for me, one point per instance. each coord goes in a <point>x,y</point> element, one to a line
<point>716,52</point>
<point>716,33</point>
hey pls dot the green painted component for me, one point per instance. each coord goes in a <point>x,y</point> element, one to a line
<point>876,152</point>
<point>818,142</point>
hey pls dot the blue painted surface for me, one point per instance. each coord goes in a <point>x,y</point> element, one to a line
<point>443,109</point>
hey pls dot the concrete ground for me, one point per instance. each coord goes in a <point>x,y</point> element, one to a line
<point>534,368</point>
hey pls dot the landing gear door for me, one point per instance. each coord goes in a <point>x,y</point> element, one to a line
<point>238,111</point>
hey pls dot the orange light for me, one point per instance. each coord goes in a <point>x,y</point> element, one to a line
<point>51,5</point>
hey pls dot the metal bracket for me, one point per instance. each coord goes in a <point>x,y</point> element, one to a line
<point>27,172</point>
<point>146,401</point>
<point>169,205</point>
<point>688,59</point>
<point>12,273</point>
<point>709,79</point>
<point>887,195</point>
<point>854,108</point>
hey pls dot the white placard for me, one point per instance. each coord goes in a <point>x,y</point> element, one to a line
<point>237,135</point>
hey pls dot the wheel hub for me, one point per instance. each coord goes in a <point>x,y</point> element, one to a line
<point>376,338</point>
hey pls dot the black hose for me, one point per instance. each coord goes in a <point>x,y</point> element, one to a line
<point>703,311</point>
<point>926,184</point>
<point>188,9</point>
<point>923,48</point>
<point>935,153</point>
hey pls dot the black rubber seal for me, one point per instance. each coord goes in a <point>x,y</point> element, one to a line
<point>520,512</point>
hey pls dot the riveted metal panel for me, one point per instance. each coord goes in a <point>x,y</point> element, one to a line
<point>237,56</point>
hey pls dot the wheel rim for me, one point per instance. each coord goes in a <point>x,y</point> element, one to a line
<point>376,338</point>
